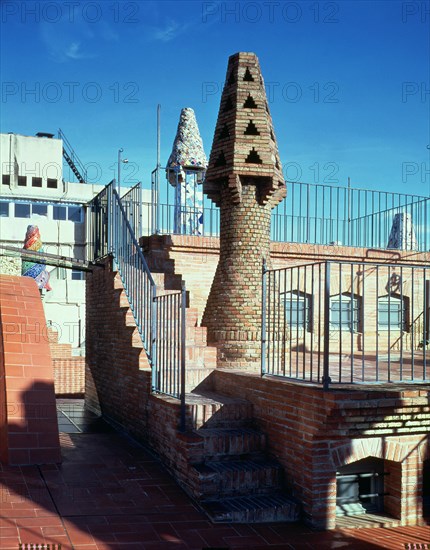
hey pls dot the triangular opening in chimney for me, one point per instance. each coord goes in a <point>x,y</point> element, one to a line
<point>228,105</point>
<point>251,130</point>
<point>224,132</point>
<point>253,157</point>
<point>250,103</point>
<point>248,76</point>
<point>220,161</point>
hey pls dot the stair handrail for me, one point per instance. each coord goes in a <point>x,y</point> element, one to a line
<point>112,232</point>
<point>132,265</point>
<point>70,152</point>
<point>132,201</point>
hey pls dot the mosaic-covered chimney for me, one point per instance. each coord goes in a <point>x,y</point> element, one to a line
<point>185,171</point>
<point>402,235</point>
<point>244,178</point>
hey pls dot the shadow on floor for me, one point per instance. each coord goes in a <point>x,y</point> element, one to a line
<point>111,493</point>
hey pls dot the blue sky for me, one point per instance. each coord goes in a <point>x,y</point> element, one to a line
<point>348,82</point>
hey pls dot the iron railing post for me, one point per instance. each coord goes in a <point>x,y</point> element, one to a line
<point>153,340</point>
<point>263,318</point>
<point>183,344</point>
<point>110,220</point>
<point>140,210</point>
<point>326,357</point>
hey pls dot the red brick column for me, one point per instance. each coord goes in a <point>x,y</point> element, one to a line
<point>244,177</point>
<point>233,310</point>
<point>28,416</point>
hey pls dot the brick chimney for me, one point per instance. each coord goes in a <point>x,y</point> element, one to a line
<point>244,178</point>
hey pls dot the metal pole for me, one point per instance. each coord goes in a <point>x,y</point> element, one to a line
<point>263,318</point>
<point>183,343</point>
<point>427,312</point>
<point>326,367</point>
<point>119,171</point>
<point>157,174</point>
<point>349,213</point>
<point>140,209</point>
<point>153,350</point>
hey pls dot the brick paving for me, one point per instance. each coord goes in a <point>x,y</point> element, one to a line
<point>110,493</point>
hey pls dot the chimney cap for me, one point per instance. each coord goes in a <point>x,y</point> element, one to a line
<point>45,135</point>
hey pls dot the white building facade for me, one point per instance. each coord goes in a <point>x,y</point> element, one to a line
<point>33,192</point>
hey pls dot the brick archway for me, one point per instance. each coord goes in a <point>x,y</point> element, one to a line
<point>403,465</point>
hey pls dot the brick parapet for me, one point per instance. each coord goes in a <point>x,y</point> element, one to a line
<point>28,416</point>
<point>313,433</point>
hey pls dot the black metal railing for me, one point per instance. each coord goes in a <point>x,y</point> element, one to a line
<point>169,372</point>
<point>347,322</point>
<point>166,219</point>
<point>318,214</point>
<point>160,319</point>
<point>325,214</point>
<point>138,283</point>
<point>132,203</point>
<point>99,224</point>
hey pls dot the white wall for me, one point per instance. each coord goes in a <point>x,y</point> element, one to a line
<point>35,156</point>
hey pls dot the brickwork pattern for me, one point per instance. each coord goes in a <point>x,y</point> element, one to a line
<point>312,433</point>
<point>69,376</point>
<point>69,370</point>
<point>118,375</point>
<point>28,417</point>
<point>233,309</point>
<point>244,178</point>
<point>244,144</point>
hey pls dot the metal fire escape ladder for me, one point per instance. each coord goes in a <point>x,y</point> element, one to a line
<point>72,159</point>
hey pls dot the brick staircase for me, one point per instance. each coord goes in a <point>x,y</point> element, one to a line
<point>226,466</point>
<point>231,474</point>
<point>200,359</point>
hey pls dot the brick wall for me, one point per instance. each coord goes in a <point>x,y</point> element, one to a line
<point>196,259</point>
<point>313,433</point>
<point>233,310</point>
<point>28,421</point>
<point>118,374</point>
<point>69,370</point>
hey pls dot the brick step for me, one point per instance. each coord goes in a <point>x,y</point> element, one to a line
<point>219,479</point>
<point>276,507</point>
<point>166,281</point>
<point>211,410</point>
<point>225,443</point>
<point>121,296</point>
<point>128,316</point>
<point>53,336</point>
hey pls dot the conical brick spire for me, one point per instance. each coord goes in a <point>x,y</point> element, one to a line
<point>244,178</point>
<point>244,144</point>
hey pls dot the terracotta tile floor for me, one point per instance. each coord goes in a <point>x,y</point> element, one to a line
<point>109,493</point>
